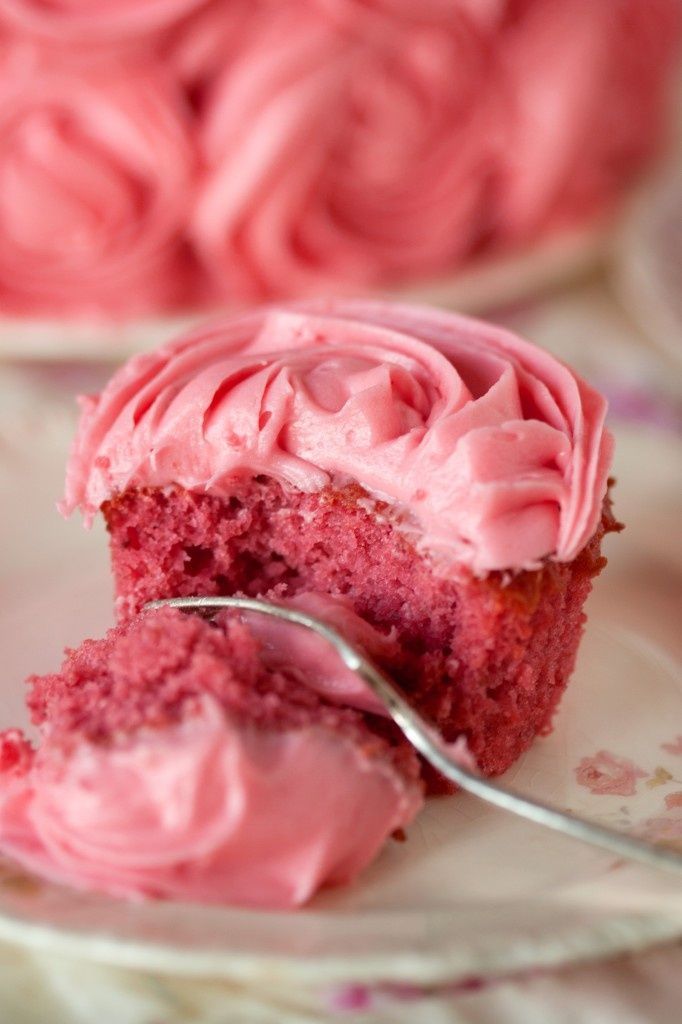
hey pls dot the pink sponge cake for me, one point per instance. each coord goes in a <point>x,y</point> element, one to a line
<point>445,478</point>
<point>205,761</point>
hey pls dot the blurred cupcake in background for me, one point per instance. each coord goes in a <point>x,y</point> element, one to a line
<point>84,22</point>
<point>96,175</point>
<point>379,143</point>
<point>165,155</point>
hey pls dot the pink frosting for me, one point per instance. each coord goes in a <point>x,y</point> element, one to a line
<point>202,46</point>
<point>95,177</point>
<point>341,144</point>
<point>340,156</point>
<point>202,811</point>
<point>492,452</point>
<point>353,142</point>
<point>585,105</point>
<point>88,20</point>
<point>284,646</point>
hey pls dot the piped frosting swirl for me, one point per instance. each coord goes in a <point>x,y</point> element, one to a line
<point>492,450</point>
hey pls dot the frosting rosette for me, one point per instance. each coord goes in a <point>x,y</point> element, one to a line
<point>357,142</point>
<point>95,176</point>
<point>585,90</point>
<point>492,453</point>
<point>341,145</point>
<point>88,21</point>
<point>339,155</point>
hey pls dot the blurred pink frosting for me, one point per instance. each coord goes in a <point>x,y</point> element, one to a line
<point>493,453</point>
<point>353,142</point>
<point>336,156</point>
<point>90,20</point>
<point>195,811</point>
<point>342,144</point>
<point>587,86</point>
<point>96,173</point>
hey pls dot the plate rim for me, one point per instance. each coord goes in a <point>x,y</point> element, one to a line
<point>611,935</point>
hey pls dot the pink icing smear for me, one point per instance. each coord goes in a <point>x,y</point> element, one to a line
<point>492,452</point>
<point>195,811</point>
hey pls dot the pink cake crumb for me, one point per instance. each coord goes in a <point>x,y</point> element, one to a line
<point>153,671</point>
<point>487,659</point>
<point>16,753</point>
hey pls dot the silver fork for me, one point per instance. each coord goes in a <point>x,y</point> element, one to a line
<point>434,749</point>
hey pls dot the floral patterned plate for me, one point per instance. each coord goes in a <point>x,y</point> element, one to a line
<point>472,891</point>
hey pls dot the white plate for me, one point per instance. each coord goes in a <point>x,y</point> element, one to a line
<point>472,890</point>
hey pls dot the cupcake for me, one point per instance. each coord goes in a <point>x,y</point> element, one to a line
<point>431,486</point>
<point>443,478</point>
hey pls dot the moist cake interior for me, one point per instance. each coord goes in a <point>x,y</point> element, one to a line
<point>488,658</point>
<point>153,670</point>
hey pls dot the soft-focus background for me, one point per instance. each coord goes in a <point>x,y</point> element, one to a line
<point>519,158</point>
<point>163,156</point>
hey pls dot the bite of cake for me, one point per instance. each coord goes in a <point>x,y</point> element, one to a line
<point>196,760</point>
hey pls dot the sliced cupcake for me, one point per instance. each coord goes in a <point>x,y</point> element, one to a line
<point>447,479</point>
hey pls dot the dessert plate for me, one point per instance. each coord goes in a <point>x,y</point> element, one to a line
<point>472,890</point>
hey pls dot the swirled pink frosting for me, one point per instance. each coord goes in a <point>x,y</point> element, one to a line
<point>195,811</point>
<point>492,452</point>
<point>96,169</point>
<point>352,142</point>
<point>341,144</point>
<point>339,153</point>
<point>88,20</point>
